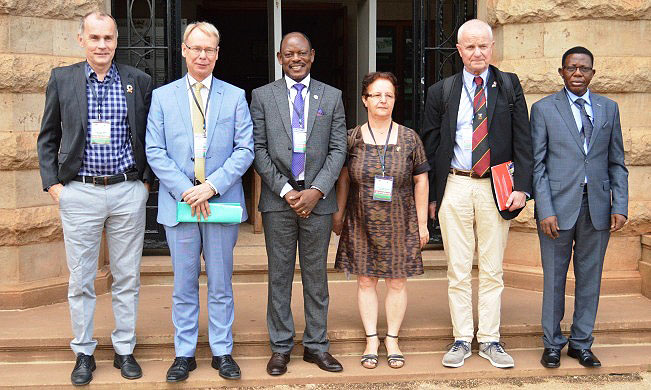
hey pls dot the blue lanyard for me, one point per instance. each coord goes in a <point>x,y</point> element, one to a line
<point>106,83</point>
<point>301,112</point>
<point>472,101</point>
<point>382,156</point>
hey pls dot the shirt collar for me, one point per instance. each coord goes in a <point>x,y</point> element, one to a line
<point>291,83</point>
<point>469,78</point>
<point>207,82</point>
<point>90,72</point>
<point>573,97</point>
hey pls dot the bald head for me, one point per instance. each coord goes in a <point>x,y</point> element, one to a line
<point>475,45</point>
<point>475,26</point>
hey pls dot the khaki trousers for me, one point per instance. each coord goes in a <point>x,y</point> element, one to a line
<point>468,212</point>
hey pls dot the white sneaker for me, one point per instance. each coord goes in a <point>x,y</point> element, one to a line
<point>496,354</point>
<point>457,354</point>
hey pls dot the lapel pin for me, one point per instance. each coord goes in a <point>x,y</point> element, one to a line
<point>315,96</point>
<point>129,88</point>
<point>494,84</point>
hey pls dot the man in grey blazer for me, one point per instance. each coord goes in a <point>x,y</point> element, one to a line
<point>299,134</point>
<point>581,192</point>
<point>91,151</point>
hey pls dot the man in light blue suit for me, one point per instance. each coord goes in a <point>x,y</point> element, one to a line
<point>199,144</point>
<point>580,184</point>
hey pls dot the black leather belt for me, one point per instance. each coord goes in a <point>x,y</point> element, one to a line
<point>472,174</point>
<point>107,180</point>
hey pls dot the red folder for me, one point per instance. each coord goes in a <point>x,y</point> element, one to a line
<point>502,176</point>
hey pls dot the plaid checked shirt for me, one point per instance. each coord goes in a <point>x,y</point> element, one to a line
<point>116,157</point>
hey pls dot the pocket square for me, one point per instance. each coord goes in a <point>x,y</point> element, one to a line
<point>319,112</point>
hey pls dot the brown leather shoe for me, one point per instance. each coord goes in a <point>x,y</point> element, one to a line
<point>278,363</point>
<point>324,360</point>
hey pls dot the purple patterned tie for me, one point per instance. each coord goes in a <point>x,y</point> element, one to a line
<point>298,121</point>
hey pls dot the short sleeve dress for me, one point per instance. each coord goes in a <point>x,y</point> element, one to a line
<point>381,239</point>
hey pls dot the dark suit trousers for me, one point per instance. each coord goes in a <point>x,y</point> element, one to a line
<point>283,229</point>
<point>589,250</point>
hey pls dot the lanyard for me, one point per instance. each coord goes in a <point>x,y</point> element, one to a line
<point>472,101</point>
<point>203,115</point>
<point>107,82</point>
<point>301,112</point>
<point>382,156</point>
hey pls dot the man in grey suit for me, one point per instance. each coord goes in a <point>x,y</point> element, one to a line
<point>91,151</point>
<point>581,192</point>
<point>299,134</point>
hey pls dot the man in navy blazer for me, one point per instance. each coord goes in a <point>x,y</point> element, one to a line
<point>199,144</point>
<point>581,191</point>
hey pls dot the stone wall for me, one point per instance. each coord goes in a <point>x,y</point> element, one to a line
<point>35,36</point>
<point>531,36</point>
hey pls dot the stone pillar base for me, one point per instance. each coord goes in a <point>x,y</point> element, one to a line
<point>645,265</point>
<point>523,266</point>
<point>46,292</point>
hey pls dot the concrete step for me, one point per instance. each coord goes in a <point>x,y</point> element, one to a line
<point>44,333</point>
<point>418,366</point>
<point>250,262</point>
<point>250,265</point>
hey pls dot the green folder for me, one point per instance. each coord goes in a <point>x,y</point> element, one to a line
<point>219,213</point>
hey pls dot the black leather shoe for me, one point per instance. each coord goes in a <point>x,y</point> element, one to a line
<point>180,369</point>
<point>227,367</point>
<point>551,358</point>
<point>278,363</point>
<point>585,356</point>
<point>82,374</point>
<point>324,360</point>
<point>129,367</point>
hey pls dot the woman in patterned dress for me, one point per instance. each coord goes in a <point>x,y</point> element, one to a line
<point>382,219</point>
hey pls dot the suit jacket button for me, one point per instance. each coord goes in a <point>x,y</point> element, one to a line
<point>289,148</point>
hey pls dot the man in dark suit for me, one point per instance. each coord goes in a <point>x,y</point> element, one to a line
<point>299,134</point>
<point>92,161</point>
<point>482,122</point>
<point>581,189</point>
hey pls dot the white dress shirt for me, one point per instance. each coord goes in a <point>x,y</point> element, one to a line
<point>207,82</point>
<point>290,100</point>
<point>463,140</point>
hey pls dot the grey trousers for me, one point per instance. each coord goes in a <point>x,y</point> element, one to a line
<point>589,250</point>
<point>85,211</point>
<point>283,229</point>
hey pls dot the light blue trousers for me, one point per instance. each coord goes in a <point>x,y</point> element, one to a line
<point>186,242</point>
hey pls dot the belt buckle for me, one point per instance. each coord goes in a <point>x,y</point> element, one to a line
<point>100,180</point>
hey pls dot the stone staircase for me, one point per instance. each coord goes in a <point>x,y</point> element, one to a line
<point>34,350</point>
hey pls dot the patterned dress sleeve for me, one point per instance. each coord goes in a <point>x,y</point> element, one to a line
<point>418,155</point>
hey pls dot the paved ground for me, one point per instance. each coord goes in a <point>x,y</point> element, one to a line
<point>635,381</point>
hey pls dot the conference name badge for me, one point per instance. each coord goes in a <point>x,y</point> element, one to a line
<point>100,132</point>
<point>383,188</point>
<point>300,140</point>
<point>200,146</point>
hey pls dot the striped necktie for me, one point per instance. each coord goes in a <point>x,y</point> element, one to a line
<point>586,130</point>
<point>481,153</point>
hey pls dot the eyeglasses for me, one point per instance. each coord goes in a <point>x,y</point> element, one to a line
<point>378,96</point>
<point>583,69</point>
<point>196,50</point>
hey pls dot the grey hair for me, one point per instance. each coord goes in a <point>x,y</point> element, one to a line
<point>99,15</point>
<point>476,23</point>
